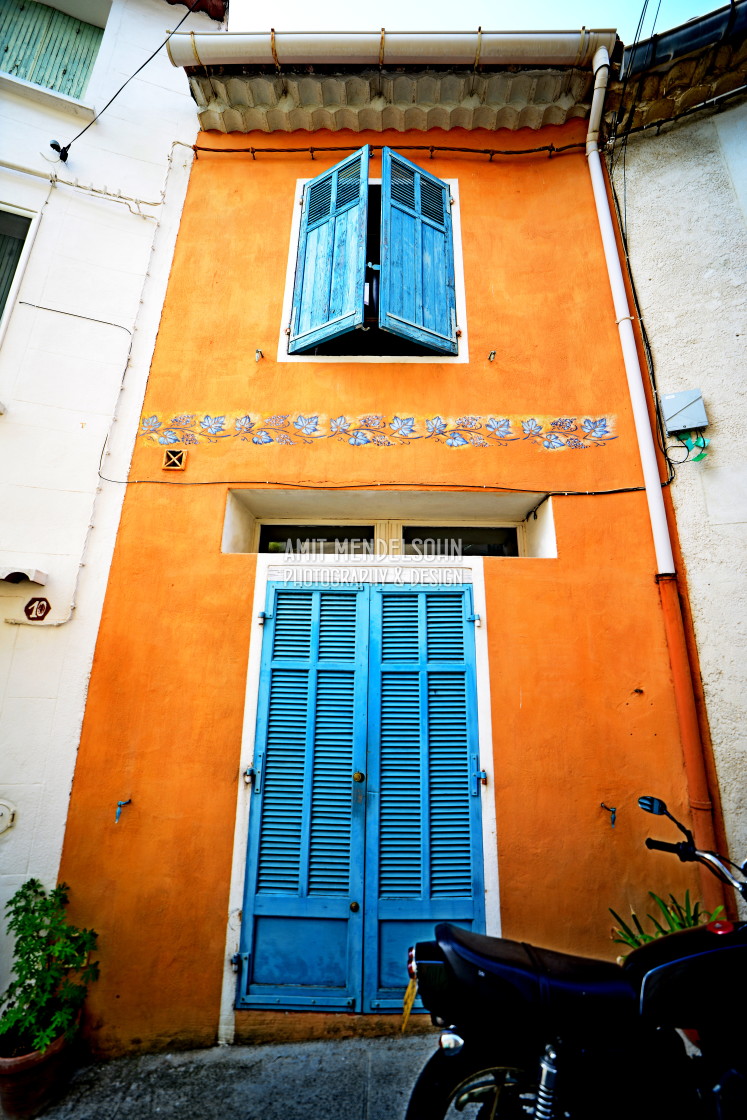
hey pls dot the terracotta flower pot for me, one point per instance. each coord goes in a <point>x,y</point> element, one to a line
<point>30,1083</point>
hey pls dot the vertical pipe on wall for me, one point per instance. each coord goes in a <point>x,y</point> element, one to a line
<point>644,435</point>
<point>692,744</point>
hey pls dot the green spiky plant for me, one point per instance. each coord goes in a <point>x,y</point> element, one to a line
<point>51,969</point>
<point>673,916</point>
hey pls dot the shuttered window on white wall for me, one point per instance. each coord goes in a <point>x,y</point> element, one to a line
<point>13,231</point>
<point>47,47</point>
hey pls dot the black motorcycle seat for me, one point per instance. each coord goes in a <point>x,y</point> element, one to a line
<point>568,985</point>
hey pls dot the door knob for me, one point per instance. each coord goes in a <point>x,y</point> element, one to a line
<point>358,776</point>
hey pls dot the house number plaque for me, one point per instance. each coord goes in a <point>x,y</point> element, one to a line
<point>37,609</point>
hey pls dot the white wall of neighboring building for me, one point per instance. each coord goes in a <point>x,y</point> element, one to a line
<point>685,197</point>
<point>75,358</point>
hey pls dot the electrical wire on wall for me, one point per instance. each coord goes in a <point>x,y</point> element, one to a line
<point>65,151</point>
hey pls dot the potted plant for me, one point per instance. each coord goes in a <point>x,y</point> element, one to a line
<point>40,1009</point>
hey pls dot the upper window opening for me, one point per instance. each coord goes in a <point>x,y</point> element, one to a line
<point>375,265</point>
<point>317,540</point>
<point>458,540</point>
<point>14,229</point>
<point>47,47</point>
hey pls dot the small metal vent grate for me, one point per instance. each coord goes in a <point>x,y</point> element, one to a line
<point>174,459</point>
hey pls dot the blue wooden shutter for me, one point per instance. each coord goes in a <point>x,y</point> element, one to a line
<point>331,265</point>
<point>417,299</point>
<point>424,842</point>
<point>47,47</point>
<point>301,941</point>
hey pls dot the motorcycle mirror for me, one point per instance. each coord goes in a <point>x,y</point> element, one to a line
<point>653,805</point>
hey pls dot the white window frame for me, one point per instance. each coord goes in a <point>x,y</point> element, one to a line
<point>28,244</point>
<point>409,359</point>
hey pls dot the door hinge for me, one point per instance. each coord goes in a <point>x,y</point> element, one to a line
<point>252,777</point>
<point>479,777</point>
<point>263,617</point>
<point>239,963</point>
<point>474,618</point>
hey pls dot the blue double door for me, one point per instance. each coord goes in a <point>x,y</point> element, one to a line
<point>365,823</point>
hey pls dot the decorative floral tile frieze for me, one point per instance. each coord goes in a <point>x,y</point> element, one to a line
<point>378,430</point>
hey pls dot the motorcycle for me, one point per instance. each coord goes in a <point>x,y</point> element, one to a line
<point>529,1032</point>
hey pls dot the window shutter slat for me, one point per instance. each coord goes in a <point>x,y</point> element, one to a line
<point>418,296</point>
<point>328,289</point>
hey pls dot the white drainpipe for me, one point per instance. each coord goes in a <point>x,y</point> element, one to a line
<point>644,434</point>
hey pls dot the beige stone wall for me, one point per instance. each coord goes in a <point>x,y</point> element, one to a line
<point>684,197</point>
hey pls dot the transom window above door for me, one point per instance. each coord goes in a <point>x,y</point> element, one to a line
<point>388,538</point>
<point>374,271</point>
<point>411,524</point>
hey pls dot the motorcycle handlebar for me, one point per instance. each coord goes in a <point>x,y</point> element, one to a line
<point>663,846</point>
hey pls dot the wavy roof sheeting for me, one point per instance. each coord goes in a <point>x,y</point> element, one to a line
<point>230,102</point>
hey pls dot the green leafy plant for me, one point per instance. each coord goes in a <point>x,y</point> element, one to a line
<point>51,970</point>
<point>673,916</point>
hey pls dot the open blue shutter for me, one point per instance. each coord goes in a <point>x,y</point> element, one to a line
<point>328,290</point>
<point>424,845</point>
<point>417,299</point>
<point>301,941</point>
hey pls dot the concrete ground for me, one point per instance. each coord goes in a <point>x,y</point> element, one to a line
<point>352,1079</point>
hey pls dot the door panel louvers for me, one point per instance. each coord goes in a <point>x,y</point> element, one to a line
<point>282,810</point>
<point>330,825</point>
<point>293,625</point>
<point>401,827</point>
<point>444,628</point>
<point>399,633</point>
<point>337,627</point>
<point>448,774</point>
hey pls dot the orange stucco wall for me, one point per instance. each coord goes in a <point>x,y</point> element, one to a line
<point>583,710</point>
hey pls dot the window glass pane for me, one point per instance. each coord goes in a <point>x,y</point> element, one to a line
<point>460,540</point>
<point>13,230</point>
<point>318,540</point>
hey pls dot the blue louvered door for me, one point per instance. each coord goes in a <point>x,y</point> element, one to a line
<point>302,922</point>
<point>365,822</point>
<point>424,839</point>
